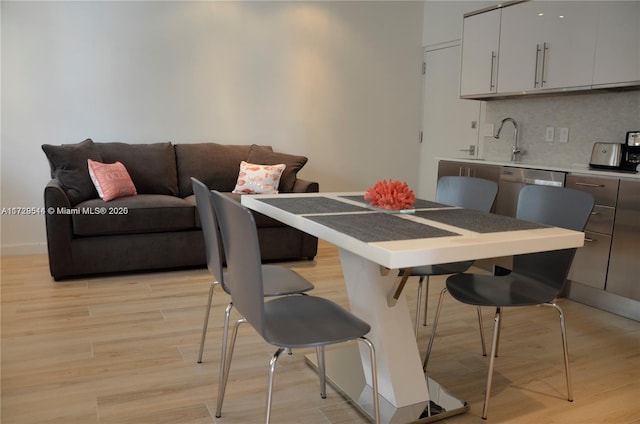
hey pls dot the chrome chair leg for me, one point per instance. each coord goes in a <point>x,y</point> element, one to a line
<point>418,305</point>
<point>227,365</point>
<point>499,331</point>
<point>322,372</point>
<point>206,321</point>
<point>433,329</point>
<point>272,369</point>
<point>565,349</point>
<point>481,327</point>
<point>426,301</point>
<point>374,378</point>
<point>494,348</point>
<point>223,356</point>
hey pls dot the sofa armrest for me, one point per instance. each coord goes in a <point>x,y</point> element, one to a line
<point>59,229</point>
<point>305,186</point>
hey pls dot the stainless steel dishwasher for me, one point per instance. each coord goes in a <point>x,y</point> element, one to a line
<point>512,179</point>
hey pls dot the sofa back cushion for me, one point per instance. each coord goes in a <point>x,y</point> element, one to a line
<point>152,166</point>
<point>216,165</point>
<point>260,155</point>
<point>68,164</point>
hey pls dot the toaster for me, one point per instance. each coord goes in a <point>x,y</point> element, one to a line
<point>606,155</point>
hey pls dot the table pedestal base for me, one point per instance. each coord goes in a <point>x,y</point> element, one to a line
<point>345,375</point>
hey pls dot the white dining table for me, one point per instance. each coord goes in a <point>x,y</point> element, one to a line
<point>373,246</point>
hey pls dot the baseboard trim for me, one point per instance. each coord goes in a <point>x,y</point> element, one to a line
<point>602,299</point>
<point>23,249</point>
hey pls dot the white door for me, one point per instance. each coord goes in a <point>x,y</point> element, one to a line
<point>450,125</point>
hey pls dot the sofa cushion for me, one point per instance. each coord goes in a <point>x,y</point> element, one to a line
<point>216,165</point>
<point>144,213</point>
<point>293,163</point>
<point>68,164</point>
<point>152,166</point>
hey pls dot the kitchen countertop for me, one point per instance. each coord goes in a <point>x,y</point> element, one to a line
<point>573,168</point>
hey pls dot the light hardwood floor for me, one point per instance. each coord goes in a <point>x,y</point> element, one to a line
<point>122,349</point>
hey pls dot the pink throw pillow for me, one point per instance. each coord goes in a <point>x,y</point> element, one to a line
<point>254,179</point>
<point>111,180</point>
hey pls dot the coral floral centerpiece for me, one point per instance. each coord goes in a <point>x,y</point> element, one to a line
<point>391,195</point>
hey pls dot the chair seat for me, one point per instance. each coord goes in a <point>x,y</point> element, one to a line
<point>279,281</point>
<point>441,269</point>
<point>309,321</point>
<point>508,290</point>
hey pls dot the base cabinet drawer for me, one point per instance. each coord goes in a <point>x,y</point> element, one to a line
<point>463,169</point>
<point>604,190</point>
<point>590,263</point>
<point>601,220</point>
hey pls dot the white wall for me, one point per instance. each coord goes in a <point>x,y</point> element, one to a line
<point>338,82</point>
<point>443,19</point>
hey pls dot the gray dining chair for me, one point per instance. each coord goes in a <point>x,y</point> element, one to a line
<point>278,280</point>
<point>536,278</point>
<point>466,192</point>
<point>285,322</point>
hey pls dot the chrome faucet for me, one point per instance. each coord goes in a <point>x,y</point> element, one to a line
<point>515,150</point>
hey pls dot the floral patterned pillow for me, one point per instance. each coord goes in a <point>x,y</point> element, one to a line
<point>254,179</point>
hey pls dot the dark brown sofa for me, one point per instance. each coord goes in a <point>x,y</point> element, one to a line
<point>158,228</point>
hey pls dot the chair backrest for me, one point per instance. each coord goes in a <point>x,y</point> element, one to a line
<point>210,231</point>
<point>240,241</point>
<point>559,207</point>
<point>467,192</point>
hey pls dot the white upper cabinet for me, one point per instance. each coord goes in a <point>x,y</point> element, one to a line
<point>547,45</point>
<point>617,57</point>
<point>480,42</point>
<point>550,47</point>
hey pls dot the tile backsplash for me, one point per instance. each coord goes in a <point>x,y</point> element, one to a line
<point>594,116</point>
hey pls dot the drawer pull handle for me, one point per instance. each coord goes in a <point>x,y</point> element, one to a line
<point>589,240</point>
<point>595,213</point>
<point>590,185</point>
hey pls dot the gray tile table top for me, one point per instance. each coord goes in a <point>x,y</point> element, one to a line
<point>313,205</point>
<point>480,222</point>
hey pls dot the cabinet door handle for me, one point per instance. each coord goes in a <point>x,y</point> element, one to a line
<point>595,213</point>
<point>589,240</point>
<point>535,71</point>
<point>590,185</point>
<point>493,60</point>
<point>544,62</point>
